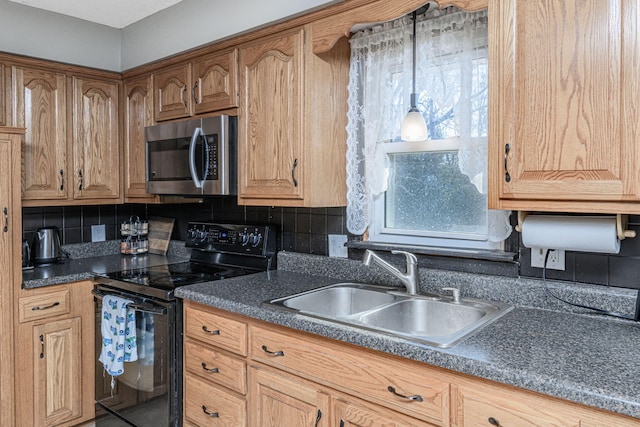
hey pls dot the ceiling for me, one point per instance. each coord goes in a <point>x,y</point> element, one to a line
<point>114,13</point>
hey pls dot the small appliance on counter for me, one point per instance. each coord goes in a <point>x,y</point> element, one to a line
<point>26,256</point>
<point>45,249</point>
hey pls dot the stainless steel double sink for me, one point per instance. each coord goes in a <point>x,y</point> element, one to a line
<point>437,320</point>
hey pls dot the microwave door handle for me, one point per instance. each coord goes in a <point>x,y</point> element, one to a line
<point>192,158</point>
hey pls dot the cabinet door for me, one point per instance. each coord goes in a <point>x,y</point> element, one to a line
<point>40,106</point>
<point>215,85</point>
<point>10,235</point>
<point>271,118</point>
<point>96,145</point>
<point>564,108</point>
<point>282,400</point>
<point>57,362</point>
<point>349,412</point>
<point>137,115</point>
<point>172,92</point>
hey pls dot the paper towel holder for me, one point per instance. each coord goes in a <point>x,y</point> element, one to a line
<point>621,225</point>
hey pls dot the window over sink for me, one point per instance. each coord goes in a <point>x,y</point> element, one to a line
<point>431,192</point>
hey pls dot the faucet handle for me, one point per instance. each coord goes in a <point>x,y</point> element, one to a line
<point>455,293</point>
<point>411,258</point>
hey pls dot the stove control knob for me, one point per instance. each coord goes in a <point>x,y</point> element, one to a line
<point>254,238</point>
<point>192,233</point>
<point>202,235</point>
<point>243,238</point>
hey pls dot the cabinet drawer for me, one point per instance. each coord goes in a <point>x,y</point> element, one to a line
<point>215,366</point>
<point>37,307</point>
<point>203,401</point>
<point>356,371</point>
<point>216,330</point>
<point>481,404</point>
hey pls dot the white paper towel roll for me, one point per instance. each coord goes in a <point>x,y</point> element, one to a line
<point>571,233</point>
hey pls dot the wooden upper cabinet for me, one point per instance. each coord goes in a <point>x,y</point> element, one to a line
<point>271,128</point>
<point>96,144</point>
<point>39,104</point>
<point>138,113</point>
<point>206,84</point>
<point>215,82</point>
<point>172,89</point>
<point>292,119</point>
<point>564,107</point>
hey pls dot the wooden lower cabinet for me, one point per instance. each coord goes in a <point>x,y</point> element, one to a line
<point>277,399</point>
<point>54,362</point>
<point>296,379</point>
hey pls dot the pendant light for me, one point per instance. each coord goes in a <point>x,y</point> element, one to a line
<point>414,128</point>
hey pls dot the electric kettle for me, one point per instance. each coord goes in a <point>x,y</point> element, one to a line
<point>46,246</point>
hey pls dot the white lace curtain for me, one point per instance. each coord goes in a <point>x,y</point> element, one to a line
<point>452,91</point>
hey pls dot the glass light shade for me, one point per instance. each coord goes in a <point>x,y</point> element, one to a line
<point>414,128</point>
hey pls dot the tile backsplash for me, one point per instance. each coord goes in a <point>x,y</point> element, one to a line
<point>305,230</point>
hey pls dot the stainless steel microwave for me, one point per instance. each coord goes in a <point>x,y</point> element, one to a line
<point>193,157</point>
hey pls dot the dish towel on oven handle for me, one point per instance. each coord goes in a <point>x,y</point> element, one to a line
<point>118,327</point>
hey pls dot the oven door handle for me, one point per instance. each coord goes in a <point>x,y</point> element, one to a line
<point>135,305</point>
<point>192,157</point>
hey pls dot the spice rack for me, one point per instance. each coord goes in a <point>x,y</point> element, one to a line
<point>134,236</point>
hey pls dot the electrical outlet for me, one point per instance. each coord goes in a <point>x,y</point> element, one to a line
<point>98,233</point>
<point>555,261</point>
<point>336,245</point>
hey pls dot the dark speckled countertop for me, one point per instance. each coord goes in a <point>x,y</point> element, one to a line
<point>87,260</point>
<point>538,346</point>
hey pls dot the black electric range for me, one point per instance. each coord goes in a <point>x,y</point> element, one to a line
<point>219,251</point>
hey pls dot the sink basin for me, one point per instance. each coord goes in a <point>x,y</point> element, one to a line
<point>433,320</point>
<point>343,300</point>
<point>424,317</point>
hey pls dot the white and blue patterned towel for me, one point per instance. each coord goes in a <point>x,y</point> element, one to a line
<point>118,334</point>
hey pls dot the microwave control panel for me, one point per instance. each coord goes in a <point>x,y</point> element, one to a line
<point>212,157</point>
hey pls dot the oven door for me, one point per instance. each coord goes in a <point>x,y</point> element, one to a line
<point>147,393</point>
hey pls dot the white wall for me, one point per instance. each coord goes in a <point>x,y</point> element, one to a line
<point>192,23</point>
<point>35,32</point>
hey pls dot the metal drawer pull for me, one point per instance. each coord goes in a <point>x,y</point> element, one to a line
<point>45,307</point>
<point>415,397</point>
<point>183,95</point>
<point>507,177</point>
<point>210,370</point>
<point>5,211</point>
<point>318,418</point>
<point>207,331</point>
<point>61,179</point>
<point>80,179</point>
<point>494,422</point>
<point>273,353</point>
<point>211,414</point>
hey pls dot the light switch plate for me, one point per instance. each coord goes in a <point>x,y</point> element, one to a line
<point>337,249</point>
<point>98,233</point>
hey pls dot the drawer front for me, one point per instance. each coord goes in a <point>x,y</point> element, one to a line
<point>360,372</point>
<point>215,366</point>
<point>485,405</point>
<point>216,330</point>
<point>43,306</point>
<point>205,405</point>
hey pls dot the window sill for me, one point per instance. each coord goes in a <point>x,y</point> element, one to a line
<point>471,254</point>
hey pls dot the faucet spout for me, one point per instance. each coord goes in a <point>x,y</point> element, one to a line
<point>408,279</point>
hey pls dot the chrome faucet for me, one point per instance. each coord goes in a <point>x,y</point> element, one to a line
<point>409,280</point>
